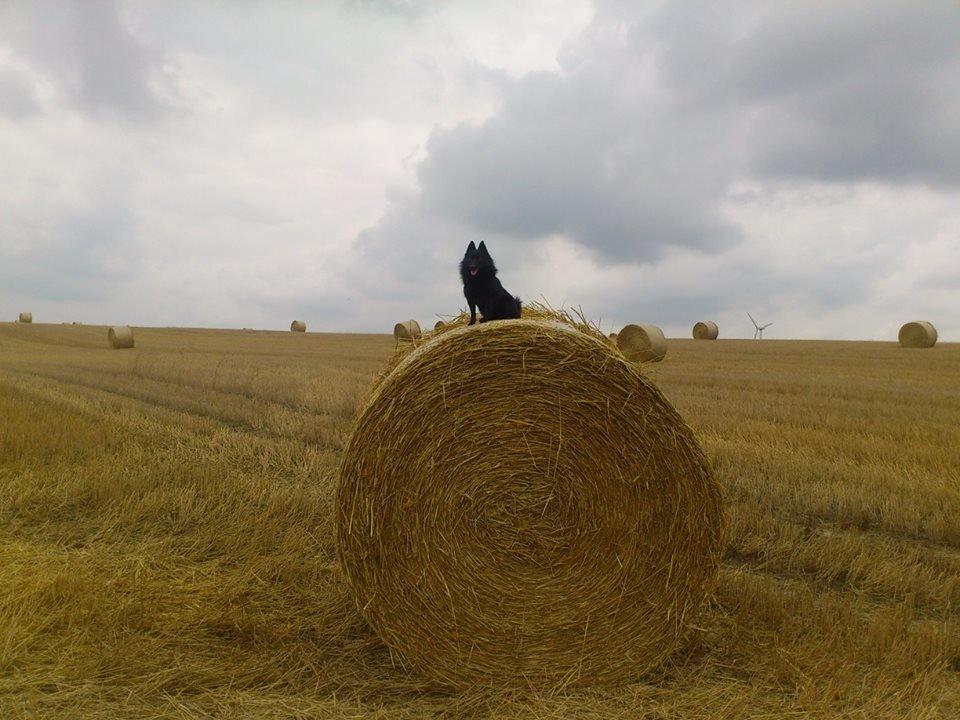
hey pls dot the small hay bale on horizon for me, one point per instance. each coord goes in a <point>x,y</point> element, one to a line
<point>120,336</point>
<point>298,326</point>
<point>407,330</point>
<point>706,330</point>
<point>438,324</point>
<point>918,334</point>
<point>506,567</point>
<point>642,343</point>
<point>25,317</point>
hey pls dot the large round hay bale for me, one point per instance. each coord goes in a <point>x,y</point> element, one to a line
<point>519,505</point>
<point>642,343</point>
<point>406,330</point>
<point>706,330</point>
<point>120,336</point>
<point>26,317</point>
<point>298,326</point>
<point>918,334</point>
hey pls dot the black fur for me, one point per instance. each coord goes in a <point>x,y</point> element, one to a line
<point>483,290</point>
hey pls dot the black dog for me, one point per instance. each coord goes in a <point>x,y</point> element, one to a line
<point>483,290</point>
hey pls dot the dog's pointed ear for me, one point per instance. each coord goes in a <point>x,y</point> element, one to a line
<point>472,247</point>
<point>483,249</point>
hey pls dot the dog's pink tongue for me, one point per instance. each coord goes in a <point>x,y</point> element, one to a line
<point>473,271</point>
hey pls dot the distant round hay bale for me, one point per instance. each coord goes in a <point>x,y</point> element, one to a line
<point>120,336</point>
<point>26,317</point>
<point>706,330</point>
<point>438,324</point>
<point>518,505</point>
<point>642,343</point>
<point>298,326</point>
<point>918,334</point>
<point>613,336</point>
<point>406,330</point>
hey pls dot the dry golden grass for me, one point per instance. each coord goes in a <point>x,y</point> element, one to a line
<point>167,548</point>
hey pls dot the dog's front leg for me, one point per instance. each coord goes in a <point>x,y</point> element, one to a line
<point>473,313</point>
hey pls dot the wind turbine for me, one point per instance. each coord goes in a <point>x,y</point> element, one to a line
<point>758,333</point>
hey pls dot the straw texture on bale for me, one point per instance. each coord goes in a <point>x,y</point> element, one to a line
<point>26,317</point>
<point>406,330</point>
<point>531,311</point>
<point>642,343</point>
<point>707,330</point>
<point>298,326</point>
<point>518,505</point>
<point>120,337</point>
<point>918,334</point>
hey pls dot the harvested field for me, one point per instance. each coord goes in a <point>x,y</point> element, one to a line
<point>167,543</point>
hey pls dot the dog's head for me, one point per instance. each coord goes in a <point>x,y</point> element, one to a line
<point>477,262</point>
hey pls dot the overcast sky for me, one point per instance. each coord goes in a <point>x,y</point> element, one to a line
<point>243,164</point>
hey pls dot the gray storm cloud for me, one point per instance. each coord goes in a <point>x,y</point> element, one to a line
<point>596,154</point>
<point>865,91</point>
<point>18,98</point>
<point>76,248</point>
<point>637,149</point>
<point>89,54</point>
<point>636,146</point>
